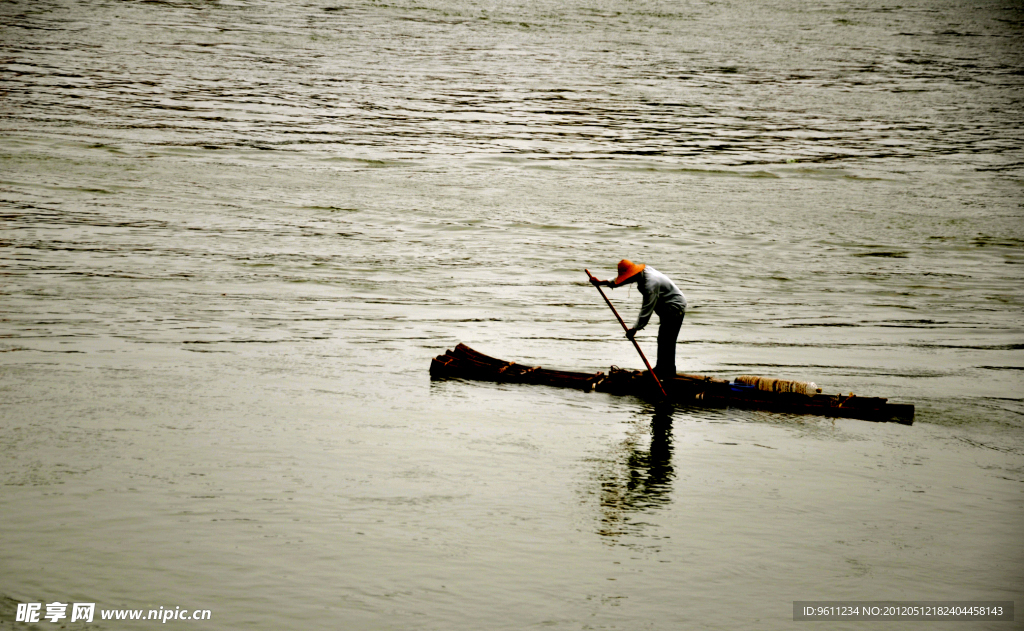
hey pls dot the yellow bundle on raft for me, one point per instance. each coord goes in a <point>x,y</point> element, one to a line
<point>779,385</point>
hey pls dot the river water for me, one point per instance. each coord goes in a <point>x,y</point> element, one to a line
<point>235,233</point>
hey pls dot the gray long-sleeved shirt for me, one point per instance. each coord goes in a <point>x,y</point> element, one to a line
<point>660,294</point>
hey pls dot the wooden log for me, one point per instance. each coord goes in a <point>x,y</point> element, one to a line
<point>466,363</point>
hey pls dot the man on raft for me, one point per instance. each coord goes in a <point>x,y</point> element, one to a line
<point>660,296</point>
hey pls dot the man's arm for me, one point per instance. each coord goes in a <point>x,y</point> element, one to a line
<point>647,309</point>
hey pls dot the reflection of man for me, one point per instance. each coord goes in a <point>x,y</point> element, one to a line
<point>635,479</point>
<point>661,296</point>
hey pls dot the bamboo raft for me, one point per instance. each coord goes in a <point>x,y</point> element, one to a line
<point>746,392</point>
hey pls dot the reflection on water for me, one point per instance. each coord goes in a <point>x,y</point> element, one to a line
<point>637,478</point>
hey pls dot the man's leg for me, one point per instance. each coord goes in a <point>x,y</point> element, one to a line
<point>668,332</point>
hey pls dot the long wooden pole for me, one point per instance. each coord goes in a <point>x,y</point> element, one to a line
<point>626,329</point>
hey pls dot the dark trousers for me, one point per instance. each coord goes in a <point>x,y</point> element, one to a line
<point>668,331</point>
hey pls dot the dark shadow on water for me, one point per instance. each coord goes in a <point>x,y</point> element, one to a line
<point>636,477</point>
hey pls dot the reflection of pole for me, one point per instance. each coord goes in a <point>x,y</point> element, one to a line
<point>626,329</point>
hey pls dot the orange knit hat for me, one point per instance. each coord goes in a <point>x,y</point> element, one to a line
<point>628,269</point>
